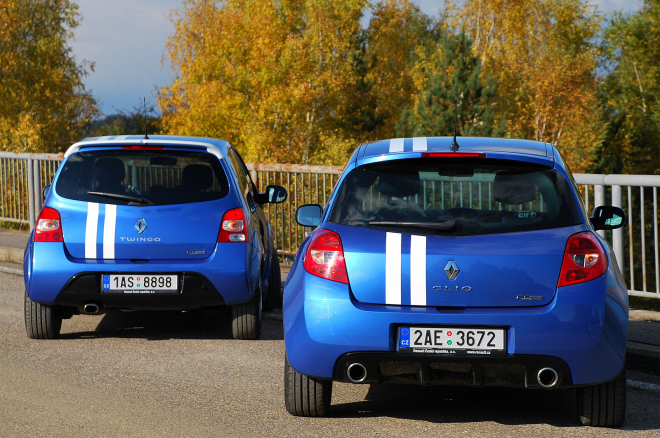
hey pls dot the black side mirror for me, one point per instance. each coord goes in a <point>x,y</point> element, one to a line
<point>607,217</point>
<point>309,215</point>
<point>46,191</point>
<point>273,195</point>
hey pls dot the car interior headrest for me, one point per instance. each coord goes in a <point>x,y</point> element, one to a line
<point>197,176</point>
<point>399,185</point>
<point>109,171</point>
<point>513,188</point>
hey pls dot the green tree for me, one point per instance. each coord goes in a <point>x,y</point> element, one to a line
<point>456,78</point>
<point>43,102</point>
<point>630,95</point>
<point>126,123</point>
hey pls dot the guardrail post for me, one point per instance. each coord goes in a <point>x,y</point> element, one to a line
<point>37,187</point>
<point>599,199</point>
<point>30,181</point>
<point>617,235</point>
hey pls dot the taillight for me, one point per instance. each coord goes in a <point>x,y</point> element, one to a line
<point>325,257</point>
<point>584,260</point>
<point>233,227</point>
<point>49,226</point>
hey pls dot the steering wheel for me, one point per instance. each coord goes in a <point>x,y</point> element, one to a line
<point>133,189</point>
<point>400,206</point>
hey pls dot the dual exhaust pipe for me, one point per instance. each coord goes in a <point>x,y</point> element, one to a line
<point>546,377</point>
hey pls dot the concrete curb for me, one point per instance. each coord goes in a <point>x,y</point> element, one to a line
<point>11,254</point>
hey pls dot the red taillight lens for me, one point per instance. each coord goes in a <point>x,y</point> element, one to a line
<point>49,226</point>
<point>233,227</point>
<point>142,147</point>
<point>325,257</point>
<point>584,260</point>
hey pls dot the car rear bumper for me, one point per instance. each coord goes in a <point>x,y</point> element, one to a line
<point>584,327</point>
<point>52,276</point>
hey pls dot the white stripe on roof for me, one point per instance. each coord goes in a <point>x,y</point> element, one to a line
<point>419,144</point>
<point>396,145</point>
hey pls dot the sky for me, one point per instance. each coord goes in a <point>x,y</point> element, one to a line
<point>126,41</point>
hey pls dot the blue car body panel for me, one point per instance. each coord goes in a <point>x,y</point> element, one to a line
<point>179,238</point>
<point>584,325</point>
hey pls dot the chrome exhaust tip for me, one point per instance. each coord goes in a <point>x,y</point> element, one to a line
<point>356,372</point>
<point>91,309</point>
<point>547,377</point>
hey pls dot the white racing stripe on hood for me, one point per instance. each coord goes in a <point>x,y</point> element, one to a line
<point>393,268</point>
<point>91,230</point>
<point>420,144</point>
<point>109,225</point>
<point>396,145</point>
<point>418,270</point>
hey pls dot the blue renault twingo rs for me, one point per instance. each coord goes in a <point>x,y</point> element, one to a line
<point>132,222</point>
<point>473,265</point>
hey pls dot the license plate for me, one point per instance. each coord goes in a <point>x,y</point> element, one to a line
<point>452,340</point>
<point>139,284</point>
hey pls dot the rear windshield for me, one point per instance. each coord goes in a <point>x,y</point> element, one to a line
<point>456,197</point>
<point>142,177</point>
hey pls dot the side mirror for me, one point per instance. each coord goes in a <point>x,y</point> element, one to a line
<point>46,191</point>
<point>273,195</point>
<point>309,215</point>
<point>607,218</point>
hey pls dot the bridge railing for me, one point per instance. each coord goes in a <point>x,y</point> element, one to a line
<point>23,176</point>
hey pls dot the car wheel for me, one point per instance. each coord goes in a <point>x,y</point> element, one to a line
<point>274,285</point>
<point>41,321</point>
<point>603,404</point>
<point>305,396</point>
<point>246,318</point>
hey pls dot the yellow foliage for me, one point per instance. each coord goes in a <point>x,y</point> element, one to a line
<point>270,76</point>
<point>43,103</point>
<point>541,54</point>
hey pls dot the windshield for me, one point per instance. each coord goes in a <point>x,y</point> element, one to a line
<point>455,197</point>
<point>142,177</point>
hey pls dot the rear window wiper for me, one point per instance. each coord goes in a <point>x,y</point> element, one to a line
<point>131,199</point>
<point>448,225</point>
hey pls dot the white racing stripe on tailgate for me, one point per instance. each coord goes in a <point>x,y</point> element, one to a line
<point>419,144</point>
<point>109,225</point>
<point>91,230</point>
<point>396,145</point>
<point>393,268</point>
<point>418,270</point>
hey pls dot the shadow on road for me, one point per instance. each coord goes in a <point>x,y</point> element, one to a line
<point>504,406</point>
<point>163,325</point>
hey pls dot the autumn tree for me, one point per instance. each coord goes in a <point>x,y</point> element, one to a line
<point>43,102</point>
<point>543,56</point>
<point>398,42</point>
<point>631,93</point>
<point>271,76</point>
<point>456,80</point>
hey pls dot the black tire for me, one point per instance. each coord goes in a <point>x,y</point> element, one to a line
<point>273,297</point>
<point>603,405</point>
<point>41,321</point>
<point>305,396</point>
<point>246,318</point>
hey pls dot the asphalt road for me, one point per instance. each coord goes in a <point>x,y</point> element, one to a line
<point>180,374</point>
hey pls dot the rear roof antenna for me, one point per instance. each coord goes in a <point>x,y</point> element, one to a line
<point>146,137</point>
<point>454,145</point>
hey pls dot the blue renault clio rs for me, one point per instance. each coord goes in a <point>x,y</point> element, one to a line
<point>472,265</point>
<point>132,222</point>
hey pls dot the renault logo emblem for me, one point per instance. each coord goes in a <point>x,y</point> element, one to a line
<point>451,269</point>
<point>140,226</point>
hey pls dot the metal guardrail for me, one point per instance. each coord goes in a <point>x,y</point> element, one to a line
<point>22,177</point>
